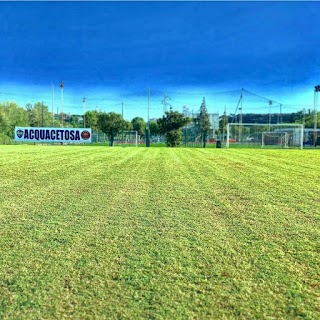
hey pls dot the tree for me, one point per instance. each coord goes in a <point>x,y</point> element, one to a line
<point>39,116</point>
<point>4,123</point>
<point>75,121</point>
<point>138,124</point>
<point>170,125</point>
<point>111,124</point>
<point>92,119</point>
<point>223,125</point>
<point>154,128</point>
<point>128,126</point>
<point>204,123</point>
<point>11,115</point>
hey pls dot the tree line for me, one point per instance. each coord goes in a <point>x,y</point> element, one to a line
<point>112,124</point>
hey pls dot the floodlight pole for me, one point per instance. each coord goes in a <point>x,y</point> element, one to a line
<point>270,104</point>
<point>61,89</point>
<point>42,112</point>
<point>84,112</point>
<point>52,104</point>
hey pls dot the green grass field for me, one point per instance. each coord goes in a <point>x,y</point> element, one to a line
<point>159,233</point>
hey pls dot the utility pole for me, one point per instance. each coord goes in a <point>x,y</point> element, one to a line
<point>224,123</point>
<point>122,109</point>
<point>61,89</point>
<point>240,122</point>
<point>148,122</point>
<point>42,112</point>
<point>280,114</point>
<point>148,106</point>
<point>97,138</point>
<point>52,104</point>
<point>164,104</point>
<point>270,104</point>
<point>84,112</point>
<point>122,119</point>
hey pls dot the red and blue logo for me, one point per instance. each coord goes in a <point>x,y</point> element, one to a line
<point>85,135</point>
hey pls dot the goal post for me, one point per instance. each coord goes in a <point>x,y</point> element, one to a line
<point>265,135</point>
<point>131,137</point>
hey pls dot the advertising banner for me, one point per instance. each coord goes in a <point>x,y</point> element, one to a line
<point>55,135</point>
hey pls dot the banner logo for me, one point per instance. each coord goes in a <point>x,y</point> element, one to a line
<point>19,133</point>
<point>85,135</point>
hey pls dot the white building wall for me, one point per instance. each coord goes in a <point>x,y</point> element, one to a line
<point>214,120</point>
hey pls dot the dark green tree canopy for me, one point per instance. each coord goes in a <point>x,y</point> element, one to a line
<point>154,128</point>
<point>172,120</point>
<point>170,126</point>
<point>203,121</point>
<point>138,124</point>
<point>39,115</point>
<point>92,119</point>
<point>111,124</point>
<point>12,115</point>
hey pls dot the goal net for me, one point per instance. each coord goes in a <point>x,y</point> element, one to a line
<point>280,139</point>
<point>264,135</point>
<point>130,138</point>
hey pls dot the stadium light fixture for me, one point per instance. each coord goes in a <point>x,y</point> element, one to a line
<point>84,112</point>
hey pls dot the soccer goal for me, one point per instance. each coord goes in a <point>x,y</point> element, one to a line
<point>130,137</point>
<point>264,135</point>
<point>280,139</point>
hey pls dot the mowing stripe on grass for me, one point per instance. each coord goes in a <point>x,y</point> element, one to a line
<point>155,233</point>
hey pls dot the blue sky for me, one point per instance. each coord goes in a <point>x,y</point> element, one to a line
<point>111,52</point>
